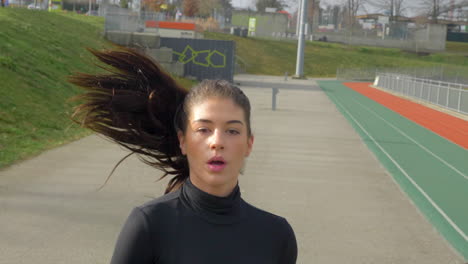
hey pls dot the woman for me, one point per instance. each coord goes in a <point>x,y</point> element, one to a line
<point>201,138</point>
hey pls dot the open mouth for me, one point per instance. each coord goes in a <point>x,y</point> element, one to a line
<point>216,164</point>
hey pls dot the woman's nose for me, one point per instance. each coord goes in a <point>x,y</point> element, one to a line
<point>217,141</point>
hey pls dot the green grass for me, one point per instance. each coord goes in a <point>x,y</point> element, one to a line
<point>38,50</point>
<point>457,47</point>
<point>272,57</point>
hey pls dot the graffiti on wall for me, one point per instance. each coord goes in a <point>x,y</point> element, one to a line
<point>205,58</point>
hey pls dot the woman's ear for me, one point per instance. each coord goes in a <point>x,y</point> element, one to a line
<point>181,137</point>
<point>250,142</point>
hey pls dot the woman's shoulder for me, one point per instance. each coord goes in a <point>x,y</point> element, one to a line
<point>161,204</point>
<point>263,215</point>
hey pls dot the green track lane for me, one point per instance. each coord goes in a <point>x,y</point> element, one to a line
<point>430,169</point>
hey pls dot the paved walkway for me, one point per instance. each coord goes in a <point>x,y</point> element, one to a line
<point>308,165</point>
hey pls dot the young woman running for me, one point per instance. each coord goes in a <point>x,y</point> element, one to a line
<point>201,138</point>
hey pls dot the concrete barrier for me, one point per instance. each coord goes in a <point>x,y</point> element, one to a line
<point>119,37</point>
<point>175,68</point>
<point>161,55</point>
<point>145,40</point>
<point>135,39</point>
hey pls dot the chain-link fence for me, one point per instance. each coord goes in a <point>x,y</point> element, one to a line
<point>406,36</point>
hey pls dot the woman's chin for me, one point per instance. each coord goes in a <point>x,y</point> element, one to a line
<point>217,178</point>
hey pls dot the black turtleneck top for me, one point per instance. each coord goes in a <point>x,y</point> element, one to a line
<point>190,226</point>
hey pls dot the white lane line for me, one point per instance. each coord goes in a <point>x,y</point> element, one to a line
<point>462,234</point>
<point>414,141</point>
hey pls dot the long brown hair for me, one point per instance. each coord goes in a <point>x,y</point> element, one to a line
<point>139,106</point>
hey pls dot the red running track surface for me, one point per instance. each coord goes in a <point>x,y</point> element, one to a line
<point>445,125</point>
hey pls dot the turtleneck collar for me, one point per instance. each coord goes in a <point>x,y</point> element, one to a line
<point>214,209</point>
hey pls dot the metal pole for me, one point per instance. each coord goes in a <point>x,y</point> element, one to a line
<point>301,43</point>
<point>274,92</point>
<point>298,18</point>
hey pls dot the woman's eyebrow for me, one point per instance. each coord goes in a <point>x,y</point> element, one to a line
<point>201,120</point>
<point>235,122</point>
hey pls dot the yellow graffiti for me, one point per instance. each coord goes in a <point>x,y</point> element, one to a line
<point>185,58</point>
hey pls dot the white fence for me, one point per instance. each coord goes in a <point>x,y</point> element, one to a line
<point>453,96</point>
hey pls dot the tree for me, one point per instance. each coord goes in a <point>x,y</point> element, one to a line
<point>278,4</point>
<point>152,5</point>
<point>206,7</point>
<point>393,7</point>
<point>350,11</point>
<point>437,8</point>
<point>313,12</point>
<point>191,7</point>
<point>227,8</point>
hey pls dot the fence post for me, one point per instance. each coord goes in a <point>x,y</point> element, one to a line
<point>274,92</point>
<point>429,93</point>
<point>421,89</point>
<point>448,93</point>
<point>438,93</point>
<point>459,98</point>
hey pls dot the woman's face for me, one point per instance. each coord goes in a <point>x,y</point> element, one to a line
<point>216,143</point>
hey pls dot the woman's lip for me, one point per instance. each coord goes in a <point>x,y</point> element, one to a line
<point>216,167</point>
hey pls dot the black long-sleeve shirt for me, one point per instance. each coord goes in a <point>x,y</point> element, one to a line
<point>190,226</point>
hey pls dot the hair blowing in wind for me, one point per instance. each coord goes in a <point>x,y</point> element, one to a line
<point>135,104</point>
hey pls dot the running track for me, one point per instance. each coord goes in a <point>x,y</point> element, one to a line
<point>423,149</point>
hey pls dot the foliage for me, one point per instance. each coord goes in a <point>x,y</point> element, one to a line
<point>152,5</point>
<point>124,3</point>
<point>392,7</point>
<point>191,7</point>
<point>206,7</point>
<point>437,8</point>
<point>262,4</point>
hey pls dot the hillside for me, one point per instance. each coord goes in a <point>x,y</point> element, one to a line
<point>38,50</point>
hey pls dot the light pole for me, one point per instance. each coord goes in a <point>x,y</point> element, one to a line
<point>298,17</point>
<point>301,43</point>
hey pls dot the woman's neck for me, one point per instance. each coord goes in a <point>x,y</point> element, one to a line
<point>221,190</point>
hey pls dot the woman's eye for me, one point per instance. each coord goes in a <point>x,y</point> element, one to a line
<point>202,130</point>
<point>233,132</point>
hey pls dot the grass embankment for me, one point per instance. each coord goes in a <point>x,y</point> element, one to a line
<point>38,50</point>
<point>457,47</point>
<point>273,57</point>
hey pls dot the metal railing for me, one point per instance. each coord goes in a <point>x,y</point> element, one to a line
<point>453,96</point>
<point>444,73</point>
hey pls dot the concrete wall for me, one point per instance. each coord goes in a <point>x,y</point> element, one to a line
<point>203,58</point>
<point>133,39</point>
<point>267,23</point>
<point>122,21</point>
<point>150,44</point>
